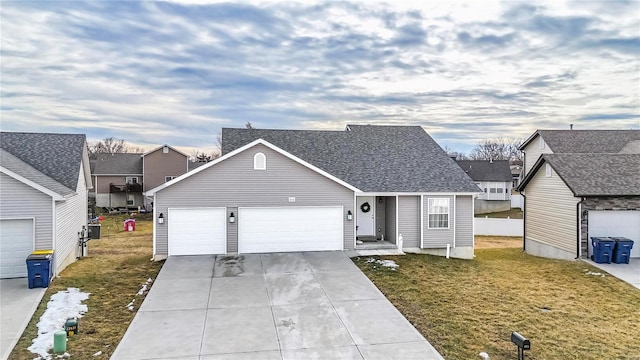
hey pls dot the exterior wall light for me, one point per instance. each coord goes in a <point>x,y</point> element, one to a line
<point>349,215</point>
<point>232,218</point>
<point>161,219</point>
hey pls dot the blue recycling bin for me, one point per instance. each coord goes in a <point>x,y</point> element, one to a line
<point>602,249</point>
<point>622,250</point>
<point>39,270</point>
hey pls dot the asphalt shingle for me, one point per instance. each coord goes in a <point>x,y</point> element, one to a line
<point>58,156</point>
<point>587,141</point>
<point>371,158</point>
<point>118,164</point>
<point>598,174</point>
<point>487,170</point>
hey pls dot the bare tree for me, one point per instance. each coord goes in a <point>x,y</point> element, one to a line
<point>454,154</point>
<point>108,145</point>
<point>201,156</point>
<point>497,149</point>
<point>249,125</point>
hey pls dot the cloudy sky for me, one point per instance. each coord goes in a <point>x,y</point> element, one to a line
<point>176,72</point>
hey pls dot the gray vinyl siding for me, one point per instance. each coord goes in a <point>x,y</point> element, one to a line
<point>20,201</point>
<point>464,220</point>
<point>390,210</point>
<point>233,183</point>
<point>550,216</point>
<point>71,216</point>
<point>232,231</point>
<point>409,220</point>
<point>438,238</point>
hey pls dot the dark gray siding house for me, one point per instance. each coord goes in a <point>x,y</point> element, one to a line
<point>295,190</point>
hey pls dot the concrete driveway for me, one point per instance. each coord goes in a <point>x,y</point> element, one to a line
<point>17,304</point>
<point>315,305</point>
<point>629,273</point>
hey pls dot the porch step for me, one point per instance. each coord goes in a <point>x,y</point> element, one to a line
<point>376,245</point>
<point>367,238</point>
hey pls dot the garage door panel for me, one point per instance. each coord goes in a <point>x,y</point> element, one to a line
<point>616,223</point>
<point>290,229</point>
<point>197,231</point>
<point>16,243</point>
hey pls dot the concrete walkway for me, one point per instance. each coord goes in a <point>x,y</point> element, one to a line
<point>629,273</point>
<point>17,305</point>
<point>316,305</point>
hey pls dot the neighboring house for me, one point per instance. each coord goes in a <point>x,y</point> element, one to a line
<point>578,184</point>
<point>121,179</point>
<point>494,178</point>
<point>516,171</point>
<point>44,180</point>
<point>296,190</point>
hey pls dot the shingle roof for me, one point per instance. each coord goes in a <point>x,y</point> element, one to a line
<point>58,156</point>
<point>486,170</point>
<point>595,174</point>
<point>25,170</point>
<point>118,164</point>
<point>586,141</point>
<point>371,158</point>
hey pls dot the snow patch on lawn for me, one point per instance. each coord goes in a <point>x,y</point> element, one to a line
<point>62,305</point>
<point>386,263</point>
<point>143,290</point>
<point>484,355</point>
<point>594,273</point>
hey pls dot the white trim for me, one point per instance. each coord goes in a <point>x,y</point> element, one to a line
<point>118,175</point>
<point>86,166</point>
<point>242,149</point>
<point>580,231</point>
<point>126,180</point>
<point>473,223</point>
<point>421,221</point>
<point>397,228</point>
<point>160,147</point>
<point>54,237</point>
<point>354,220</point>
<point>547,170</point>
<point>448,213</point>
<point>259,161</point>
<point>369,193</point>
<point>155,223</point>
<point>32,184</point>
<point>455,208</point>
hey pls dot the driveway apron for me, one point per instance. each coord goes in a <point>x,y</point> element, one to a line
<point>17,304</point>
<point>315,305</point>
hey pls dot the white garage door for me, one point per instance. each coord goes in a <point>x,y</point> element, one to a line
<point>263,230</point>
<point>197,231</point>
<point>16,243</point>
<point>616,223</point>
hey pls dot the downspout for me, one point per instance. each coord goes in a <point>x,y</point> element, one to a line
<point>524,222</point>
<point>579,230</point>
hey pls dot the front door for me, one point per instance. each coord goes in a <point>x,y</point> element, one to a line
<point>365,218</point>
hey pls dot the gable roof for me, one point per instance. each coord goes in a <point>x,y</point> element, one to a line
<point>241,149</point>
<point>371,158</point>
<point>118,164</point>
<point>56,156</point>
<point>161,146</point>
<point>593,174</point>
<point>586,141</point>
<point>487,170</point>
<point>25,173</point>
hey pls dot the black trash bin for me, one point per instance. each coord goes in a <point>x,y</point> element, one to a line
<point>39,270</point>
<point>602,249</point>
<point>622,250</point>
<point>94,231</point>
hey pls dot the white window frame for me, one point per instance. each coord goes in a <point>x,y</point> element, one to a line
<point>547,170</point>
<point>430,204</point>
<point>259,161</point>
<point>129,180</point>
<point>169,178</point>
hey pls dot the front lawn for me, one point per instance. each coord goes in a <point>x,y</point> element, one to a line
<point>115,270</point>
<point>464,307</point>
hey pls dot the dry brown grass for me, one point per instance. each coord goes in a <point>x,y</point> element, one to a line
<point>484,242</point>
<point>464,307</point>
<point>117,266</point>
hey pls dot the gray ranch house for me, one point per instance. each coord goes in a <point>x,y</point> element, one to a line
<point>44,182</point>
<point>298,190</point>
<point>578,184</point>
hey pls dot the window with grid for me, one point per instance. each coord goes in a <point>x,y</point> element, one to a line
<point>438,213</point>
